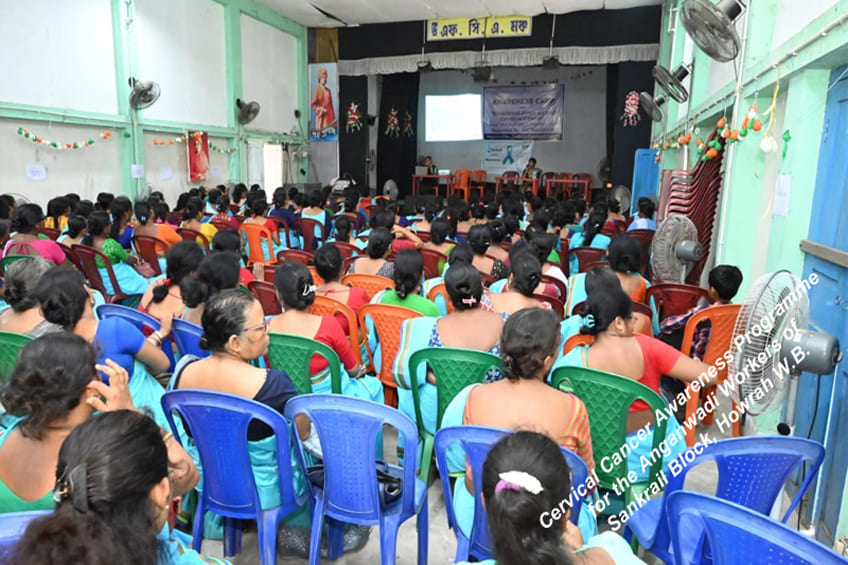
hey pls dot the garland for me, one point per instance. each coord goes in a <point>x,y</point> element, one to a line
<point>58,144</point>
<point>197,134</point>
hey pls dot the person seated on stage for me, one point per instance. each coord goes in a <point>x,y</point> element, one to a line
<point>530,172</point>
<point>516,468</point>
<point>431,167</point>
<point>645,219</point>
<point>480,239</point>
<point>625,258</point>
<point>591,236</point>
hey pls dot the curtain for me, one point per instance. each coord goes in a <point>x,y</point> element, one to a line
<point>622,142</point>
<point>397,144</point>
<point>353,138</point>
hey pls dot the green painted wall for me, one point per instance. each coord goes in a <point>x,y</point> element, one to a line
<point>126,120</point>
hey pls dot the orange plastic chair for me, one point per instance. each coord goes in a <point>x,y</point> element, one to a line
<point>645,239</point>
<point>257,235</point>
<point>462,183</point>
<point>673,299</point>
<point>585,255</point>
<point>266,294</point>
<point>326,306</point>
<point>478,181</point>
<point>371,284</point>
<point>316,278</point>
<point>194,235</point>
<point>441,290</point>
<point>387,321</point>
<point>576,341</point>
<point>722,320</point>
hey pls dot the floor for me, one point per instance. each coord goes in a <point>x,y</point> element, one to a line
<point>442,543</point>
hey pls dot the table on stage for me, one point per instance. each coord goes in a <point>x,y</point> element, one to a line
<point>584,183</point>
<point>416,183</point>
<point>499,182</point>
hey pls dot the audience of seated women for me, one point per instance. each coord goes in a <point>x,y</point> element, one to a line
<point>163,298</point>
<point>315,211</point>
<point>216,272</point>
<point>24,314</point>
<point>528,347</point>
<point>523,282</point>
<point>608,316</point>
<point>375,261</point>
<point>480,239</point>
<point>147,226</point>
<point>431,212</point>
<point>645,218</point>
<point>228,241</point>
<point>409,268</point>
<point>192,219</point>
<point>296,292</point>
<point>543,244</point>
<point>27,221</point>
<point>328,262</point>
<point>129,280</point>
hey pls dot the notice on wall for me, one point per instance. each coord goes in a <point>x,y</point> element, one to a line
<point>523,112</point>
<point>215,172</point>
<point>165,173</point>
<point>36,172</point>
<point>781,195</point>
<point>137,171</point>
<point>502,156</point>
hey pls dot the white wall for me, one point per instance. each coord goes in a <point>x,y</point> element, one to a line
<point>181,46</point>
<point>85,171</point>
<point>584,140</point>
<point>58,53</point>
<point>174,157</point>
<point>269,74</point>
<point>793,15</point>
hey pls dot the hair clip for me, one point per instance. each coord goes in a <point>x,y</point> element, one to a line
<point>469,301</point>
<point>308,289</point>
<point>73,485</point>
<point>589,321</point>
<point>517,480</point>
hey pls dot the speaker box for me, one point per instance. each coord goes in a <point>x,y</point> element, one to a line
<point>481,74</point>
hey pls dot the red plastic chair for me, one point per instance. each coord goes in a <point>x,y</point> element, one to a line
<point>71,256</point>
<point>423,235</point>
<point>306,228</point>
<point>257,236</point>
<point>51,233</point>
<point>432,259</point>
<point>295,256</point>
<point>555,303</point>
<point>88,261</point>
<point>371,284</point>
<point>194,235</point>
<point>326,306</point>
<point>588,266</point>
<point>284,229</point>
<point>387,322</point>
<point>221,225</point>
<point>562,291</point>
<point>462,183</point>
<point>645,239</point>
<point>346,249</point>
<point>148,249</point>
<point>585,255</point>
<point>266,294</point>
<point>441,290</point>
<point>673,299</point>
<point>644,316</point>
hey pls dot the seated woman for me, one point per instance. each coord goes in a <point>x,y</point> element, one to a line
<point>228,241</point>
<point>440,231</point>
<point>543,244</point>
<point>523,400</point>
<point>625,258</point>
<point>27,221</point>
<point>409,268</point>
<point>216,272</point>
<point>24,316</point>
<point>129,280</point>
<point>645,219</point>
<point>58,210</point>
<point>525,475</point>
<point>163,298</point>
<point>480,239</point>
<point>465,290</point>
<point>608,316</point>
<point>223,214</point>
<point>461,253</point>
<point>499,232</point>
<point>259,211</point>
<point>316,212</point>
<point>525,278</point>
<point>591,236</point>
<point>66,301</point>
<point>431,211</point>
<point>75,230</point>
<point>53,389</point>
<point>375,263</point>
<point>579,287</point>
<point>145,216</point>
<point>192,216</point>
<point>122,228</point>
<point>296,292</point>
<point>112,498</point>
<point>615,220</point>
<point>343,231</point>
<point>328,262</point>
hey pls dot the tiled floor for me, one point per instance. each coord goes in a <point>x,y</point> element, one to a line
<point>442,543</point>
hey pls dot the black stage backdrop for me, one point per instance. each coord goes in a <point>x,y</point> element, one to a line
<point>353,143</point>
<point>397,148</point>
<point>622,142</point>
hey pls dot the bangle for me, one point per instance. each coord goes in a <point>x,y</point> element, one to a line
<point>151,339</point>
<point>159,336</point>
<point>166,436</point>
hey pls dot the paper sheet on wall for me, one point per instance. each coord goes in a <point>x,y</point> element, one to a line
<point>165,173</point>
<point>137,171</point>
<point>36,172</point>
<point>781,195</point>
<point>215,172</point>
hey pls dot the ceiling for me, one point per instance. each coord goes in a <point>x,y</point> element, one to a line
<point>386,11</point>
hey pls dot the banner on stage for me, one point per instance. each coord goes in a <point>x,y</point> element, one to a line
<point>502,156</point>
<point>324,102</point>
<point>479,28</point>
<point>523,112</point>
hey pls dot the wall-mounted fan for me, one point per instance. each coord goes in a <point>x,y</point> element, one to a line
<point>621,194</point>
<point>771,405</point>
<point>672,81</point>
<point>143,94</point>
<point>675,249</point>
<point>652,106</point>
<point>247,111</point>
<point>711,26</point>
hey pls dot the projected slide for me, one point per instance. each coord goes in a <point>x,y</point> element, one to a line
<point>453,118</point>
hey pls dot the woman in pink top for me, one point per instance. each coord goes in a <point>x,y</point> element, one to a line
<point>27,222</point>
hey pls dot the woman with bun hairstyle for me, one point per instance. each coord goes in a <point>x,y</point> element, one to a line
<point>608,316</point>
<point>584,284</point>
<point>163,298</point>
<point>499,232</point>
<point>145,214</point>
<point>625,258</point>
<point>440,231</point>
<point>522,284</point>
<point>591,236</point>
<point>229,241</point>
<point>258,210</point>
<point>99,237</point>
<point>408,272</point>
<point>216,272</point>
<point>27,221</point>
<point>223,214</point>
<point>544,245</point>
<point>24,315</point>
<point>480,239</point>
<point>374,261</point>
<point>525,475</point>
<point>465,290</point>
<point>67,302</point>
<point>343,231</point>
<point>328,262</point>
<point>645,219</point>
<point>75,230</point>
<point>523,400</point>
<point>193,216</point>
<point>461,253</point>
<point>296,292</point>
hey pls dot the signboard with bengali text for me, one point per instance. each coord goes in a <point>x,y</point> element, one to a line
<point>479,28</point>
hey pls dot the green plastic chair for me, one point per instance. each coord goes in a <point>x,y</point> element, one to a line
<point>293,353</point>
<point>10,347</point>
<point>8,260</point>
<point>454,369</point>
<point>608,398</point>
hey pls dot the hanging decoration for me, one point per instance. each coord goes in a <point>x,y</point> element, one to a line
<point>58,144</point>
<point>353,121</point>
<point>392,126</point>
<point>213,147</point>
<point>631,117</point>
<point>407,124</point>
<point>170,141</point>
<point>786,139</point>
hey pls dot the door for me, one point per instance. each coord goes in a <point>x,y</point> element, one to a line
<point>823,402</point>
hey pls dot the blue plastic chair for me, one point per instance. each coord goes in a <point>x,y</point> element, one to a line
<point>187,336</point>
<point>13,524</point>
<point>751,472</point>
<point>476,441</point>
<point>738,536</point>
<point>139,320</point>
<point>348,430</point>
<point>218,425</point>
